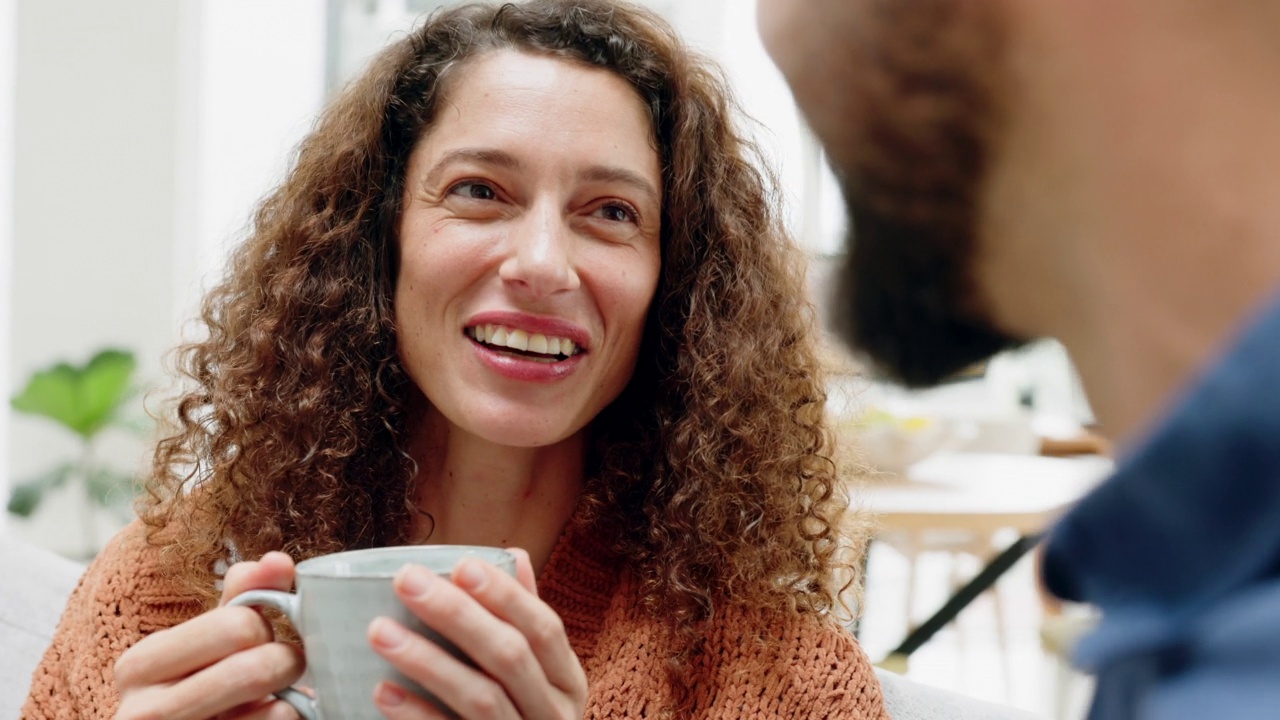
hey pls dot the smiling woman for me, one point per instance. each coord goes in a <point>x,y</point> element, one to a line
<point>524,287</point>
<point>539,218</point>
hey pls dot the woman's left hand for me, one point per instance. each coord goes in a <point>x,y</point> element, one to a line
<point>527,669</point>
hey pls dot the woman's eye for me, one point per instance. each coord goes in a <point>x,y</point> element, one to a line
<point>615,212</point>
<point>473,191</point>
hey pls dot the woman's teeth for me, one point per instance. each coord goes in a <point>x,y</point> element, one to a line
<point>513,339</point>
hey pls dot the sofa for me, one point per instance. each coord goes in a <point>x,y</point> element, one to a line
<point>35,583</point>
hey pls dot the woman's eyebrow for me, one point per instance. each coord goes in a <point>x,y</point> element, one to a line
<point>481,156</point>
<point>613,174</point>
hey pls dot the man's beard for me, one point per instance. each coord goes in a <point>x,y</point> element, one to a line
<point>904,298</point>
<point>925,89</point>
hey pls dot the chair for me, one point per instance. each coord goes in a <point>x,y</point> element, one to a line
<point>1063,626</point>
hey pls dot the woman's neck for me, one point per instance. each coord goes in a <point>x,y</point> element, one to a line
<point>479,493</point>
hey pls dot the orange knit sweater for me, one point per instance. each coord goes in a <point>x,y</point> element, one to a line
<point>816,670</point>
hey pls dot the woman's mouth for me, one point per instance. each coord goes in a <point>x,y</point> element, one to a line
<point>525,345</point>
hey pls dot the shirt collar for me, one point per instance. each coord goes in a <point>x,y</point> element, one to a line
<point>1194,511</point>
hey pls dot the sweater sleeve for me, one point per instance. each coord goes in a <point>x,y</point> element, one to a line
<point>121,598</point>
<point>830,677</point>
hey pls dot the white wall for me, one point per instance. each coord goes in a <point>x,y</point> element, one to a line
<point>146,130</point>
<point>814,213</point>
<point>253,81</point>
<point>725,30</point>
<point>8,58</point>
<point>94,203</point>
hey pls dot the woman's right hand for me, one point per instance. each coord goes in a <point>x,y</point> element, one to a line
<point>222,664</point>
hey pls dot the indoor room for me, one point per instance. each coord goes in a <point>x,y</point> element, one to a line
<point>138,141</point>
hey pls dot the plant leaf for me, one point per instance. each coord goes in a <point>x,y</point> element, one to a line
<point>51,393</point>
<point>25,499</point>
<point>105,387</point>
<point>82,399</point>
<point>26,496</point>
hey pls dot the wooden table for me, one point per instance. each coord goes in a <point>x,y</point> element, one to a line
<point>980,493</point>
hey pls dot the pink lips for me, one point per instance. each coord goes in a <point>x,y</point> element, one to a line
<point>519,368</point>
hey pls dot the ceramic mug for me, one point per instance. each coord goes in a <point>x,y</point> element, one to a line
<point>337,597</point>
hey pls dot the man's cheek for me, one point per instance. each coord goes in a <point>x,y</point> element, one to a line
<point>772,18</point>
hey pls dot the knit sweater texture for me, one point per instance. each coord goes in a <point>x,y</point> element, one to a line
<point>811,668</point>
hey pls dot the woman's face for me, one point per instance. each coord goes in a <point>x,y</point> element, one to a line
<point>529,247</point>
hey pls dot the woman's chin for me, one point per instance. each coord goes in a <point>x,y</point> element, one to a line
<point>524,433</point>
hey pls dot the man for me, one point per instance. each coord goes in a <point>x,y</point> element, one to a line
<point>1107,173</point>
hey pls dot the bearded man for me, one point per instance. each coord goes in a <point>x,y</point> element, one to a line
<point>1106,173</point>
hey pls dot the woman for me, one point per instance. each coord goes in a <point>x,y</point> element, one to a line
<point>522,288</point>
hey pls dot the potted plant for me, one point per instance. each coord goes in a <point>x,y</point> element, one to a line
<point>86,400</point>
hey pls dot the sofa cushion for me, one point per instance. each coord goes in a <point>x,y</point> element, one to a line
<point>34,585</point>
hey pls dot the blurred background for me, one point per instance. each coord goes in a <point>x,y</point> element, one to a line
<point>136,137</point>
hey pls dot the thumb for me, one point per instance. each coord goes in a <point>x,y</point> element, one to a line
<point>275,571</point>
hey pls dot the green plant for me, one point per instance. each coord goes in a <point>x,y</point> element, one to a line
<point>86,400</point>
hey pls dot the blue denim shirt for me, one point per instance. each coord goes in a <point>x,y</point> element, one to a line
<point>1181,551</point>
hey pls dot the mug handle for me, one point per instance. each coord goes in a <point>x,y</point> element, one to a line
<point>286,603</point>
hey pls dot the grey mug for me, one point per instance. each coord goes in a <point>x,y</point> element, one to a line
<point>337,597</point>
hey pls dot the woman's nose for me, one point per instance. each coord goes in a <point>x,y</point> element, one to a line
<point>540,262</point>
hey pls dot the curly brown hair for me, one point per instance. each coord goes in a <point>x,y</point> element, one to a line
<point>711,470</point>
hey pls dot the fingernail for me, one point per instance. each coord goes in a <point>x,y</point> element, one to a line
<point>388,694</point>
<point>415,581</point>
<point>468,575</point>
<point>386,633</point>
